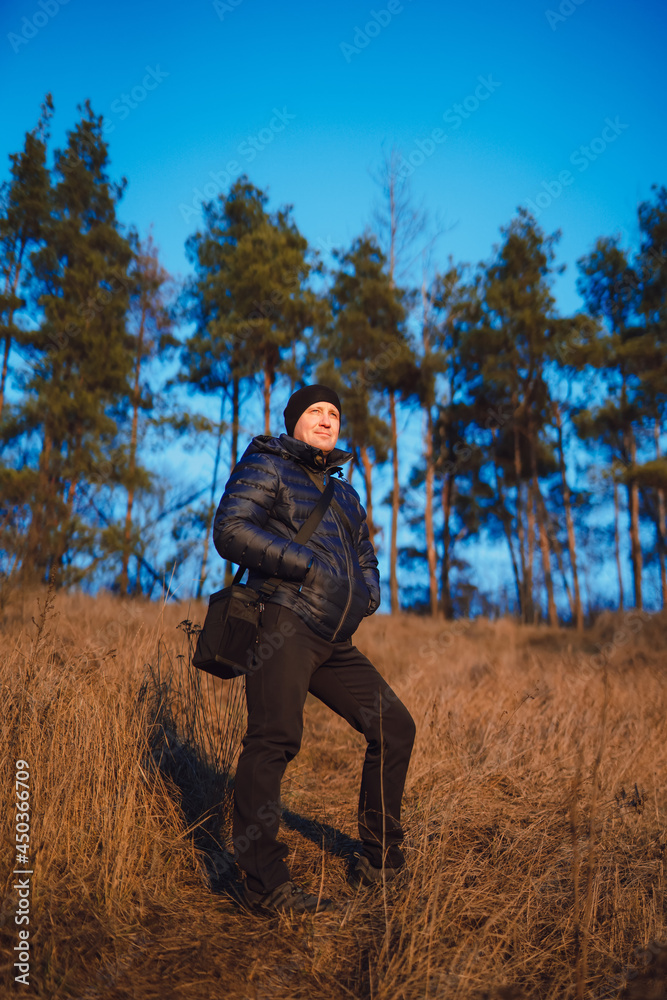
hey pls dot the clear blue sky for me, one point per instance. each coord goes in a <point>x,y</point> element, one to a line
<point>221,69</point>
<point>303,96</point>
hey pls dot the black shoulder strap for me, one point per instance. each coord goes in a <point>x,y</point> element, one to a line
<point>316,514</point>
<point>336,506</point>
<point>302,535</point>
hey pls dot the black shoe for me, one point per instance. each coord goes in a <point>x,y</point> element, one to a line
<point>363,873</point>
<point>286,898</point>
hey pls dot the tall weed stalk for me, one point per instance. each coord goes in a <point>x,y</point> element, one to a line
<point>195,724</point>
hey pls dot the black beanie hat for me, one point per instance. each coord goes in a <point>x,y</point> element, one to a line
<point>303,398</point>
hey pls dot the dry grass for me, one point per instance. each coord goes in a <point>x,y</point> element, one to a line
<point>535,812</point>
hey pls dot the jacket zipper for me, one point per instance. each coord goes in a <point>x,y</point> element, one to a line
<point>341,532</point>
<point>341,535</point>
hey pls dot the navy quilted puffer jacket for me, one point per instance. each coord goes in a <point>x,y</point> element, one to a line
<point>332,581</point>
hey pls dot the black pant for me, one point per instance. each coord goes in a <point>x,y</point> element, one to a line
<point>293,660</point>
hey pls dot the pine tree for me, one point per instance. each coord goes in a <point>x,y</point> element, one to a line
<point>454,310</point>
<point>609,285</point>
<point>79,353</point>
<point>150,326</point>
<point>430,364</point>
<point>399,224</point>
<point>24,210</point>
<point>576,606</point>
<point>250,302</point>
<point>651,269</point>
<point>250,298</point>
<point>509,353</point>
<point>360,342</point>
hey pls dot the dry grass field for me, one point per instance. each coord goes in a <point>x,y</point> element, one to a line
<point>535,810</point>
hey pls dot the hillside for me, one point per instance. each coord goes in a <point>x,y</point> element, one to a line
<point>535,813</point>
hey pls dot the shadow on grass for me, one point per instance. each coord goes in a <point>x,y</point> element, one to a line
<point>328,837</point>
<point>193,731</point>
<point>194,728</point>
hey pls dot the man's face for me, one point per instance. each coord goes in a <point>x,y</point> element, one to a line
<point>319,426</point>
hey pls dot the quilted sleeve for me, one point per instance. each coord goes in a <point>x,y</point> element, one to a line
<point>239,531</point>
<point>369,565</point>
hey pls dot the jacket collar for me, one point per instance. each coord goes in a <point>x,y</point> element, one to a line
<point>306,454</point>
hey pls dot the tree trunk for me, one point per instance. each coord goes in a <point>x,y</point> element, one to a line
<point>661,521</point>
<point>506,522</point>
<point>35,560</point>
<point>51,484</point>
<point>267,400</point>
<point>524,602</point>
<point>393,548</point>
<point>617,542</point>
<point>395,499</point>
<point>542,528</point>
<point>11,287</point>
<point>352,468</point>
<point>63,530</point>
<point>635,544</point>
<point>578,613</point>
<point>431,556</point>
<point>558,554</point>
<point>212,504</point>
<point>530,560</point>
<point>367,469</point>
<point>69,495</point>
<point>545,548</point>
<point>5,369</point>
<point>448,487</point>
<point>134,436</point>
<point>235,421</point>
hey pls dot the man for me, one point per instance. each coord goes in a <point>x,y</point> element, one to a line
<point>329,585</point>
